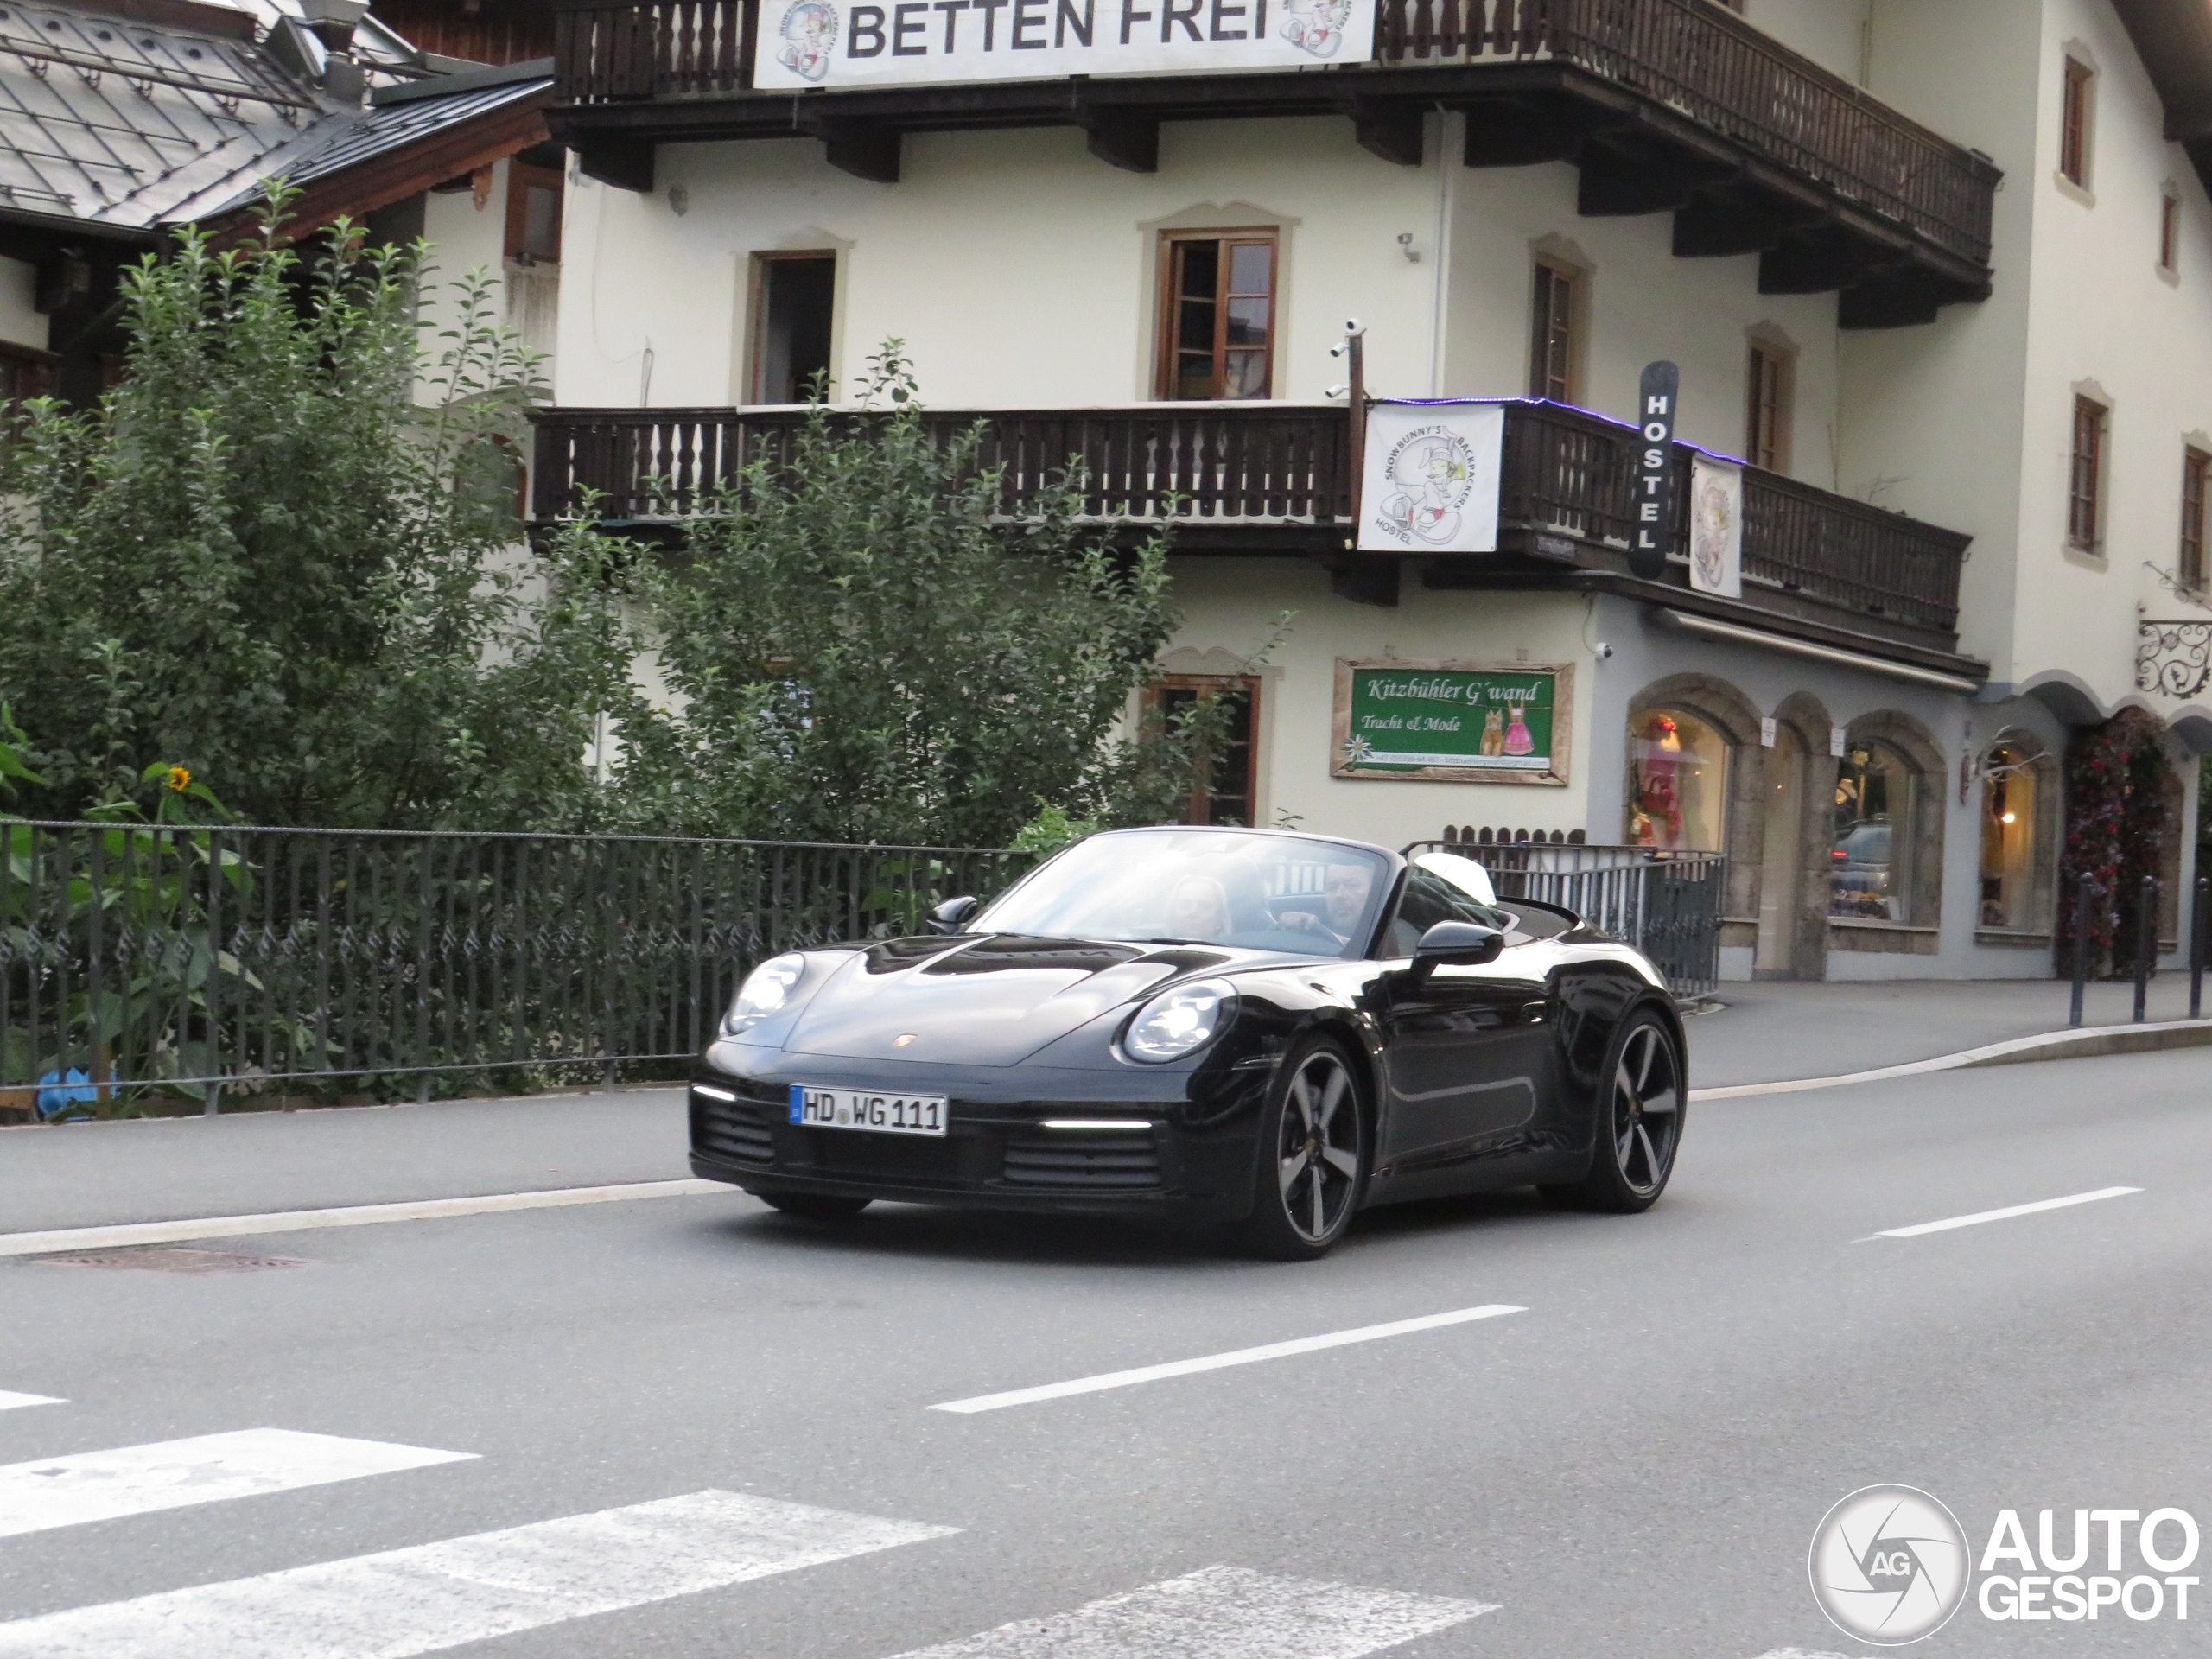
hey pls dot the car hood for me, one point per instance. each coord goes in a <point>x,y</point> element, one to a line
<point>991,1000</point>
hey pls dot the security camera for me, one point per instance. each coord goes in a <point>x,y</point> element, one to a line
<point>1602,649</point>
<point>1406,246</point>
<point>1339,348</point>
<point>1337,390</point>
<point>1354,326</point>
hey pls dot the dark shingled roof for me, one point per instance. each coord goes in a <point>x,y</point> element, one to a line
<point>113,122</point>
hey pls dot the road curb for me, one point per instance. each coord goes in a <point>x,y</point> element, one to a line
<point>2069,1044</point>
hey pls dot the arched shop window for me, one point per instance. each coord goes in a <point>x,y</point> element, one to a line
<point>1870,874</point>
<point>1678,781</point>
<point>2014,895</point>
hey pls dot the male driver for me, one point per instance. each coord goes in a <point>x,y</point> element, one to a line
<point>1344,899</point>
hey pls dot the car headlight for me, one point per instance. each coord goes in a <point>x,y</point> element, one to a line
<point>1175,1023</point>
<point>765,990</point>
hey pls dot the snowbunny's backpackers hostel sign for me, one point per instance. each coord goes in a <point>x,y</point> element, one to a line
<point>1452,723</point>
<point>1428,479</point>
<point>806,44</point>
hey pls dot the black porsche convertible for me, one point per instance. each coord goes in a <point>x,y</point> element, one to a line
<point>1264,1028</point>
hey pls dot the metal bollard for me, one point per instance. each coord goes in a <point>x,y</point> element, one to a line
<point>2081,886</point>
<point>2146,941</point>
<point>2196,948</point>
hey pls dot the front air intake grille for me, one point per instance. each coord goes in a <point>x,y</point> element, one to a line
<point>737,1131</point>
<point>1078,1159</point>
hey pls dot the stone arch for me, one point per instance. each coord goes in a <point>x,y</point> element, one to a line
<point>1911,740</point>
<point>1736,718</point>
<point>2041,763</point>
<point>1807,718</point>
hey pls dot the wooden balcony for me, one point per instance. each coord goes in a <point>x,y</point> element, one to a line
<point>1266,478</point>
<point>1674,106</point>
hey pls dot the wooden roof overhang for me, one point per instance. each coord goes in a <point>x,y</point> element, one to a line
<point>1635,155</point>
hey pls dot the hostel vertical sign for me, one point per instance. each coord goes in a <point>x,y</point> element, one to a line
<point>1655,467</point>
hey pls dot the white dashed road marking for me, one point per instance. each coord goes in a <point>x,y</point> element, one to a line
<point>1221,1613</point>
<point>175,1474</point>
<point>1218,1362</point>
<point>1977,1218</point>
<point>9,1402</point>
<point>432,1597</point>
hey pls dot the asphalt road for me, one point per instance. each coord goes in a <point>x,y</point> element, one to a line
<point>1632,1464</point>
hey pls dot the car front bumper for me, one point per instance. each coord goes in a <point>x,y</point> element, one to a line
<point>1163,1156</point>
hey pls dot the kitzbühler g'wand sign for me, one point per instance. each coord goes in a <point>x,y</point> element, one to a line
<point>806,44</point>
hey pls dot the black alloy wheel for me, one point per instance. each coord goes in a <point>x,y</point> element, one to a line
<point>814,1206</point>
<point>1313,1163</point>
<point>1641,1103</point>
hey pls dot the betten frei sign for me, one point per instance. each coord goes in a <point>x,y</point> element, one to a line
<point>806,44</point>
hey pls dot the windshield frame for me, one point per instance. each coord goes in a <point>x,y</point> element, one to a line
<point>1358,945</point>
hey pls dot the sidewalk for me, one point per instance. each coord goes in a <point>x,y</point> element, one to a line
<point>1767,1031</point>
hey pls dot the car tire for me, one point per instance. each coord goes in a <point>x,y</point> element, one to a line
<point>1641,1102</point>
<point>1310,1173</point>
<point>814,1206</point>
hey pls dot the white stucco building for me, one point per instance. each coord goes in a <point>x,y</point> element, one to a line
<point>1938,272</point>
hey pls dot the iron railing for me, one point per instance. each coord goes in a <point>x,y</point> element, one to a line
<point>1691,57</point>
<point>203,959</point>
<point>1666,904</point>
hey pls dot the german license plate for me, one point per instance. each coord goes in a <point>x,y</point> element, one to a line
<point>854,1109</point>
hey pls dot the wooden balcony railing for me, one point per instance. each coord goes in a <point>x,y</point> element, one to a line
<point>605,52</point>
<point>1227,467</point>
<point>1706,63</point>
<point>1256,463</point>
<point>1574,474</point>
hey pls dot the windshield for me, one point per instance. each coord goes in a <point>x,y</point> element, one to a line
<point>1257,891</point>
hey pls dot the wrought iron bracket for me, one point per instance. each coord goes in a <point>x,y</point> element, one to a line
<point>2173,655</point>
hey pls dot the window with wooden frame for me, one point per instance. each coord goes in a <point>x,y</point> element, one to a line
<point>1229,793</point>
<point>2195,467</point>
<point>25,372</point>
<point>1766,413</point>
<point>2085,478</point>
<point>794,302</point>
<point>1217,314</point>
<point>2075,111</point>
<point>534,200</point>
<point>1551,332</point>
<point>2170,231</point>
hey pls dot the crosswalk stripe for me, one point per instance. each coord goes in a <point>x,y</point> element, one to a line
<point>1219,1613</point>
<point>432,1597</point>
<point>175,1474</point>
<point>9,1402</point>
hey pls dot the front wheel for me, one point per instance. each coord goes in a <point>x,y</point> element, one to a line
<point>1313,1161</point>
<point>814,1206</point>
<point>1639,1125</point>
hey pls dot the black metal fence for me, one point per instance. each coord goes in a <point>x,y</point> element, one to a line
<point>205,959</point>
<point>1666,904</point>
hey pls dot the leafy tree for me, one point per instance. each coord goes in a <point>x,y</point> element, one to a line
<point>861,647</point>
<point>278,555</point>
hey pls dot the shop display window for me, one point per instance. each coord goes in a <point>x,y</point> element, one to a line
<point>1678,781</point>
<point>2010,895</point>
<point>1868,880</point>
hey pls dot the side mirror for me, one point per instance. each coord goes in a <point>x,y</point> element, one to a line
<point>951,916</point>
<point>1456,944</point>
